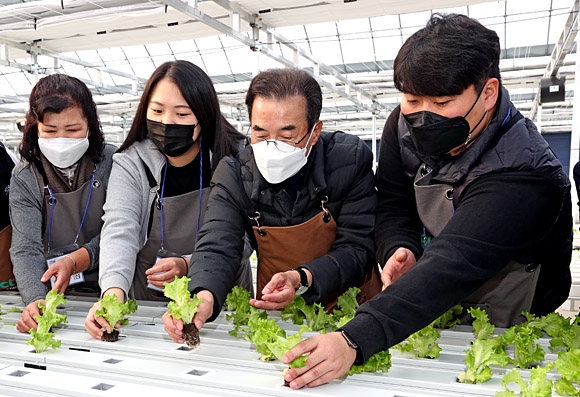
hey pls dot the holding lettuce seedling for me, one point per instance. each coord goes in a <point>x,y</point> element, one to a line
<point>114,311</point>
<point>183,307</point>
<point>41,338</point>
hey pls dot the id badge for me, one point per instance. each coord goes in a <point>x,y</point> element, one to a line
<point>160,255</point>
<point>59,253</point>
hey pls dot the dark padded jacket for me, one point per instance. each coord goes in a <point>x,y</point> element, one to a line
<point>340,167</point>
<point>512,202</point>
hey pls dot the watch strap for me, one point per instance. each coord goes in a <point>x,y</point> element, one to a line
<point>303,287</point>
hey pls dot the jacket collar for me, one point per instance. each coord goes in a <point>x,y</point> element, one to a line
<point>264,192</point>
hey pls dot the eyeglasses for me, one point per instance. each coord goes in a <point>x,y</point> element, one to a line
<point>290,144</point>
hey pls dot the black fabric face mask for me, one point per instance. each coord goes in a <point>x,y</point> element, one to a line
<point>434,135</point>
<point>172,139</point>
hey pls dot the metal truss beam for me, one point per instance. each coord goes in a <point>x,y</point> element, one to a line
<point>255,45</point>
<point>35,50</point>
<point>561,49</point>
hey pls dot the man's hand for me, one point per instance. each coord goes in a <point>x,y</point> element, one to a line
<point>174,327</point>
<point>95,324</point>
<point>397,265</point>
<point>27,320</point>
<point>165,270</point>
<point>329,357</point>
<point>279,292</point>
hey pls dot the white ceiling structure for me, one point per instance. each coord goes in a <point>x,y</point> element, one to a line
<point>348,45</point>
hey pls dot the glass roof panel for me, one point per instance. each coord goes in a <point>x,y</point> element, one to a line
<point>415,20</point>
<point>535,26</point>
<point>489,9</point>
<point>110,54</point>
<point>324,42</point>
<point>135,51</point>
<point>357,47</point>
<point>514,7</point>
<point>158,49</point>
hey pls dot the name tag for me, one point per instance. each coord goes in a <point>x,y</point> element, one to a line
<point>151,286</point>
<point>74,278</point>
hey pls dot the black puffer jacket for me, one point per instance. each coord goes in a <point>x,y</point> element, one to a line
<point>340,167</point>
<point>512,202</point>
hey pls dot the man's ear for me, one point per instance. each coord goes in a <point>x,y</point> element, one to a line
<point>316,132</point>
<point>490,93</point>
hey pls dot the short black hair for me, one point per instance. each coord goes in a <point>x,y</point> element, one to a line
<point>285,83</point>
<point>53,94</point>
<point>451,53</point>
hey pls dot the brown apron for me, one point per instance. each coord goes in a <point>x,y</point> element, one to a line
<point>283,248</point>
<point>67,216</point>
<point>506,295</point>
<point>7,280</point>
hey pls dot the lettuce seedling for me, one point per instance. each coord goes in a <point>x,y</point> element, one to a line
<point>526,351</point>
<point>422,343</point>
<point>281,345</point>
<point>42,338</point>
<point>346,306</point>
<point>114,311</point>
<point>263,331</point>
<point>238,302</point>
<point>483,353</point>
<point>537,386</point>
<point>380,361</point>
<point>183,307</point>
<point>298,310</point>
<point>449,319</point>
<point>568,365</point>
<point>482,328</point>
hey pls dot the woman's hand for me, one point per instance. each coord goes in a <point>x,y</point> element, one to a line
<point>174,327</point>
<point>95,324</point>
<point>166,269</point>
<point>27,320</point>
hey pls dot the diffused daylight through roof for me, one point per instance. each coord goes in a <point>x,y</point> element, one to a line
<point>348,45</point>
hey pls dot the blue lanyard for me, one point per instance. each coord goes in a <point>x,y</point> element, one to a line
<point>52,205</point>
<point>162,220</point>
<point>506,117</point>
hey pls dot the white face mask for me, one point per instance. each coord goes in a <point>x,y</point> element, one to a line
<point>63,152</point>
<point>277,165</point>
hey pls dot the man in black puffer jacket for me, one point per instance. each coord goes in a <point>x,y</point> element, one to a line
<point>473,206</point>
<point>306,196</point>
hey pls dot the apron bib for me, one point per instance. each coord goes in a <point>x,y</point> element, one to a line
<point>277,247</point>
<point>67,214</point>
<point>506,295</point>
<point>7,280</point>
<point>180,219</point>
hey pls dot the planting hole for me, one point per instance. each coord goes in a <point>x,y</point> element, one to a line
<point>197,372</point>
<point>112,361</point>
<point>184,348</point>
<point>102,386</point>
<point>19,374</point>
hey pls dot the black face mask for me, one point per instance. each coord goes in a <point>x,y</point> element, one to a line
<point>434,135</point>
<point>171,139</point>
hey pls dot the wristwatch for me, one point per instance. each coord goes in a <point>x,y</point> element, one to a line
<point>349,341</point>
<point>303,287</point>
